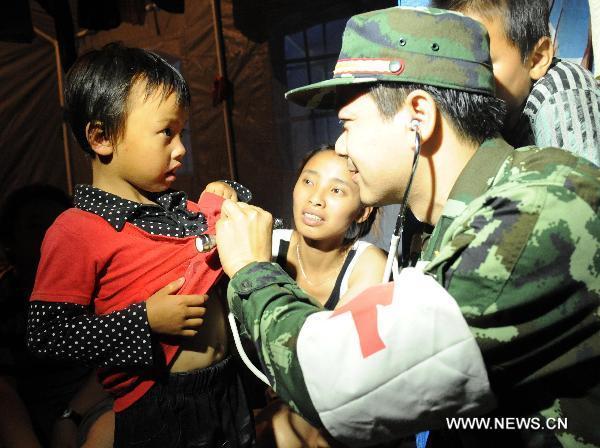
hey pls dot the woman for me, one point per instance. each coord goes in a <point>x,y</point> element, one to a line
<point>327,260</point>
<point>323,253</point>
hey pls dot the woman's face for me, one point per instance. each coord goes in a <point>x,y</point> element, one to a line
<point>326,200</point>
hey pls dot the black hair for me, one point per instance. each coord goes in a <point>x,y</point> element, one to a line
<point>474,116</point>
<point>357,230</point>
<point>525,21</point>
<point>98,86</point>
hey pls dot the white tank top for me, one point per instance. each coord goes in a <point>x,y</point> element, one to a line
<point>284,235</point>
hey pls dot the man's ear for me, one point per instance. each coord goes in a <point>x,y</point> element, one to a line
<point>97,139</point>
<point>540,58</point>
<point>364,215</point>
<point>422,112</point>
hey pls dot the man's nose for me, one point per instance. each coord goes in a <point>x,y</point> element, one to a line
<point>340,145</point>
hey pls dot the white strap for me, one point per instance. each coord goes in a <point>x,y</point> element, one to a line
<point>359,247</point>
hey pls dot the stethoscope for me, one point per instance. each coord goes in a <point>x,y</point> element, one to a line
<point>391,265</point>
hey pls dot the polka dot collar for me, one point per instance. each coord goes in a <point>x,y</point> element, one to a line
<point>117,211</point>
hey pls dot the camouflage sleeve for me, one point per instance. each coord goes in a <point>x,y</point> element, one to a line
<point>523,264</point>
<point>272,309</point>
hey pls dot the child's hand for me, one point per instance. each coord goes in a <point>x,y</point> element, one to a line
<point>178,315</point>
<point>222,189</point>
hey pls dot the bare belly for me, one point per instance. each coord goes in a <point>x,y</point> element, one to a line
<point>210,344</point>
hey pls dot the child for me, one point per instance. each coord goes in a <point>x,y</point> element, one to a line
<point>122,281</point>
<point>550,102</point>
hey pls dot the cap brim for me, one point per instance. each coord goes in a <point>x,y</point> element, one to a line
<point>324,94</point>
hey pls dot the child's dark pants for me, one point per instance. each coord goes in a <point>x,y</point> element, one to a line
<point>202,408</point>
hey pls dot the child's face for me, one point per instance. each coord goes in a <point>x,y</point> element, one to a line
<point>513,81</point>
<point>326,200</point>
<point>150,150</point>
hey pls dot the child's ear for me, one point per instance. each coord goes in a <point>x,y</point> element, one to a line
<point>540,58</point>
<point>362,217</point>
<point>97,139</point>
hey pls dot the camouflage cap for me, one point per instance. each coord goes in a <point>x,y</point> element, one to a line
<point>407,44</point>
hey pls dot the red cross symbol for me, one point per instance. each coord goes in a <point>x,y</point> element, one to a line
<point>364,314</point>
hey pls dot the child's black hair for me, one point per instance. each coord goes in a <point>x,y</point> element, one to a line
<point>525,21</point>
<point>357,230</point>
<point>99,84</point>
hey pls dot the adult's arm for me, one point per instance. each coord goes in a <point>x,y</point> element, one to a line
<point>89,396</point>
<point>395,360</point>
<point>364,371</point>
<point>16,430</point>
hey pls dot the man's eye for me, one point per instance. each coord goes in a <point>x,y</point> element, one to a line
<point>168,132</point>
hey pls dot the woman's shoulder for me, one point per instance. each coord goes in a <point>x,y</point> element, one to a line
<point>370,262</point>
<point>366,270</point>
<point>367,253</point>
<point>371,251</point>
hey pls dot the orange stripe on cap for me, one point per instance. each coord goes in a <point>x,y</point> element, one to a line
<point>368,66</point>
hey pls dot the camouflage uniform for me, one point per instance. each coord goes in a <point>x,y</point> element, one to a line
<point>518,249</point>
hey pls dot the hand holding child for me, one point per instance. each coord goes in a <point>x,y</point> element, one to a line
<point>177,315</point>
<point>222,189</point>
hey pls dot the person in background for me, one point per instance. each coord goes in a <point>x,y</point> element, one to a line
<point>124,275</point>
<point>49,403</point>
<point>325,256</point>
<point>551,102</point>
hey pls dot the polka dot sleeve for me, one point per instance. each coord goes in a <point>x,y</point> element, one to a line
<point>243,194</point>
<point>67,330</point>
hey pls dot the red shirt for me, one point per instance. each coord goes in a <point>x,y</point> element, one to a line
<point>85,260</point>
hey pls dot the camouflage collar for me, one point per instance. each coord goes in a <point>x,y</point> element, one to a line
<point>474,180</point>
<point>477,176</point>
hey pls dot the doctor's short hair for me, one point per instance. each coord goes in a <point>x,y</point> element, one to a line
<point>474,116</point>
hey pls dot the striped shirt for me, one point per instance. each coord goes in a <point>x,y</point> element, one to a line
<point>563,110</point>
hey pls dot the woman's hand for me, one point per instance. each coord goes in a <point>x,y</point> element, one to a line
<point>243,235</point>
